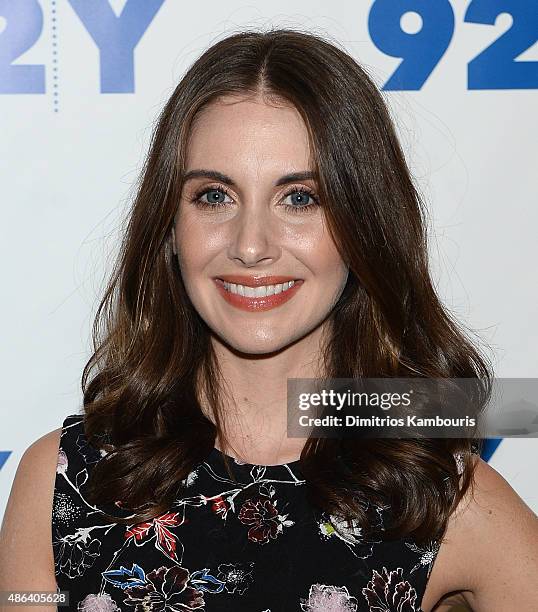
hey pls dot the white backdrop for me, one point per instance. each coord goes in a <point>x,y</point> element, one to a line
<point>76,116</point>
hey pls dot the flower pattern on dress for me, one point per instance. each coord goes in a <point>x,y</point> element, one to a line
<point>251,543</point>
<point>389,592</point>
<point>351,533</point>
<point>165,540</point>
<point>328,598</point>
<point>98,603</point>
<point>165,589</point>
<point>236,576</point>
<point>73,554</point>
<point>427,554</point>
<point>261,513</point>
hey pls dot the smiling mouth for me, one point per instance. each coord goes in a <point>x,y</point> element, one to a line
<point>259,291</point>
<point>259,297</point>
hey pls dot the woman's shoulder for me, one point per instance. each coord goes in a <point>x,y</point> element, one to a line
<point>37,466</point>
<point>36,471</point>
<point>26,524</point>
<point>35,475</point>
<point>42,452</point>
<point>491,542</point>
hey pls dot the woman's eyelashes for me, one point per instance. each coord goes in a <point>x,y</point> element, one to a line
<point>304,199</point>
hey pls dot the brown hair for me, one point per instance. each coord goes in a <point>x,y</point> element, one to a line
<point>151,346</point>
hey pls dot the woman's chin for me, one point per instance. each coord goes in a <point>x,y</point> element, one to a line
<point>257,344</point>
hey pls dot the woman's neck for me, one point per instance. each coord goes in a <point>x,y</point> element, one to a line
<point>256,411</point>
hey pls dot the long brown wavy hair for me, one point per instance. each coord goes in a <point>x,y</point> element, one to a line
<point>151,346</point>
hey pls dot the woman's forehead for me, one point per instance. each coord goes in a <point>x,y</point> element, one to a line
<point>248,122</point>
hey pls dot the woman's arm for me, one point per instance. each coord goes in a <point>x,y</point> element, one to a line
<point>490,553</point>
<point>501,542</point>
<point>26,556</point>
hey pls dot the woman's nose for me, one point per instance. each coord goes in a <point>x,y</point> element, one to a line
<point>254,237</point>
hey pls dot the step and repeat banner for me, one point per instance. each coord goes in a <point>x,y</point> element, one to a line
<point>82,82</point>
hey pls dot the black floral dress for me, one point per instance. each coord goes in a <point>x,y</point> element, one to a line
<point>255,545</point>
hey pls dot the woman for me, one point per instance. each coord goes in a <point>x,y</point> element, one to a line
<point>275,234</point>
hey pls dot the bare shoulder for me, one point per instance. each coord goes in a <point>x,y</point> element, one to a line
<point>489,556</point>
<point>26,555</point>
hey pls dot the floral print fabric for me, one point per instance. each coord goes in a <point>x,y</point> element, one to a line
<point>255,545</point>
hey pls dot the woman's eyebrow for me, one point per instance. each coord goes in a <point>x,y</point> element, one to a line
<point>223,178</point>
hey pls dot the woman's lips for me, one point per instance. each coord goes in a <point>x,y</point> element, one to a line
<point>257,303</point>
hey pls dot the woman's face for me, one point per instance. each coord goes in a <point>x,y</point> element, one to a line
<point>251,221</point>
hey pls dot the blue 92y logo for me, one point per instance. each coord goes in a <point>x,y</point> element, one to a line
<point>495,67</point>
<point>115,37</point>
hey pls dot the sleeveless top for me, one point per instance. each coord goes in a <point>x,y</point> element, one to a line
<point>255,545</point>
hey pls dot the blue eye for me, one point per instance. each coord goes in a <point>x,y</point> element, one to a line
<point>211,203</point>
<point>301,204</point>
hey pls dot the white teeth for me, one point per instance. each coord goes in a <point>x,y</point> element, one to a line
<point>256,292</point>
